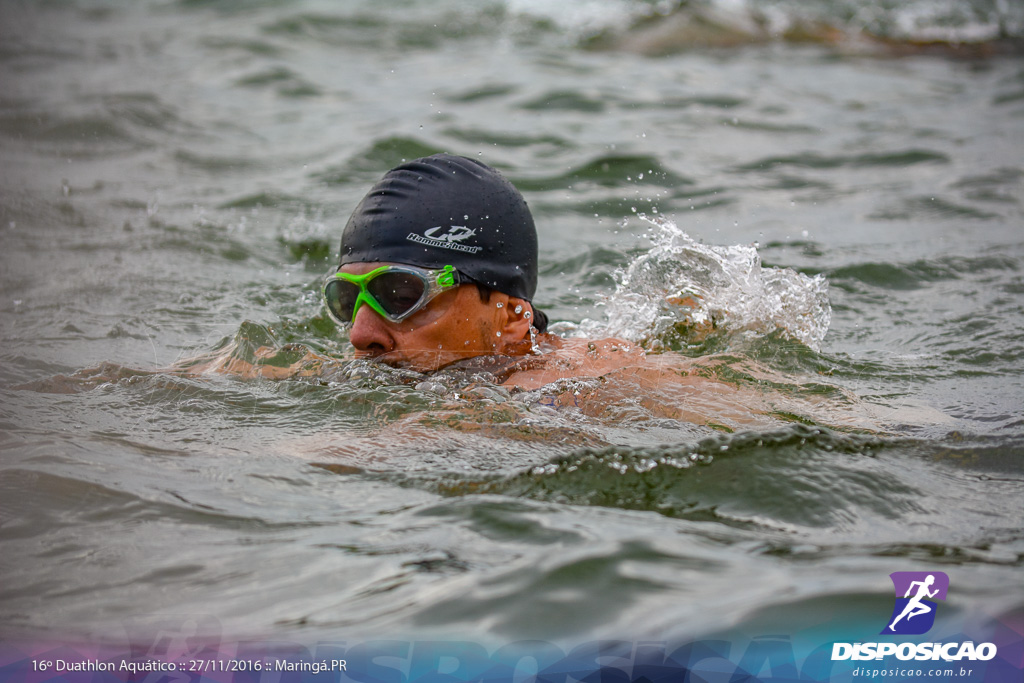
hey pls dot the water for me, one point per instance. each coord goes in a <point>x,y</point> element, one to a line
<point>175,180</point>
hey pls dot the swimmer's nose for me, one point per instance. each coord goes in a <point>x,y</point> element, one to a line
<point>370,334</point>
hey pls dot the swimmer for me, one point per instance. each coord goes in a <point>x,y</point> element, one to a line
<point>438,263</point>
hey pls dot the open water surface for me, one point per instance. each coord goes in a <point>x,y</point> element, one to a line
<point>175,178</point>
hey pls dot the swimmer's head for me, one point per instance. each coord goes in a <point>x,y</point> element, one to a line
<point>446,210</point>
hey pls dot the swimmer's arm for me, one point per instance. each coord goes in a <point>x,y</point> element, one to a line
<point>288,361</point>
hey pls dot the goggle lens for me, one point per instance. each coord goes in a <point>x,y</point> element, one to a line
<point>397,293</point>
<point>341,297</point>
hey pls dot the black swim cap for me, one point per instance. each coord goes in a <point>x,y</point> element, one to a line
<point>442,210</point>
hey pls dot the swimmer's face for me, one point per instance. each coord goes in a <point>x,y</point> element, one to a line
<point>457,324</point>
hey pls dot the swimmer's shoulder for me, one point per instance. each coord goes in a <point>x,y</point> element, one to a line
<point>570,358</point>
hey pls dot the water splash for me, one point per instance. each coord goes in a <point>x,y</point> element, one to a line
<point>680,292</point>
<point>308,235</point>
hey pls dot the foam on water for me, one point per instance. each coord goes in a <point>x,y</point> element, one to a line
<point>682,291</point>
<point>588,17</point>
<point>941,21</point>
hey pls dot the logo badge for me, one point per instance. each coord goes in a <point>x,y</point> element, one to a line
<point>916,593</point>
<point>451,239</point>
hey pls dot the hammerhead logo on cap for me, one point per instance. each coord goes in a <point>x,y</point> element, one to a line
<point>456,233</point>
<point>448,240</point>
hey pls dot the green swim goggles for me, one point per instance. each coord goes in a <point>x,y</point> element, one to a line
<point>395,292</point>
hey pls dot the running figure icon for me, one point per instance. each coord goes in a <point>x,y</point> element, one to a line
<point>919,590</point>
<point>915,607</point>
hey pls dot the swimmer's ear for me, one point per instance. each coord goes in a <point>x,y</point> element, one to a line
<point>517,320</point>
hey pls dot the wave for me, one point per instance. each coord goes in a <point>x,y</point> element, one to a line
<point>920,273</point>
<point>807,482</point>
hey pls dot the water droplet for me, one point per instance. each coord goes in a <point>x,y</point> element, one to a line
<point>498,333</point>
